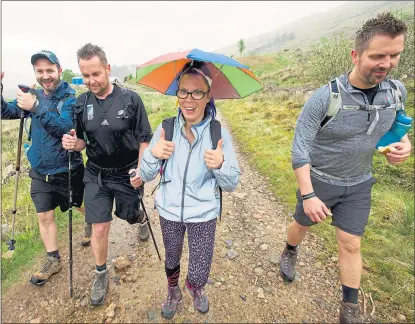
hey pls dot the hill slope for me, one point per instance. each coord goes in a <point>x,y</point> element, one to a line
<point>346,18</point>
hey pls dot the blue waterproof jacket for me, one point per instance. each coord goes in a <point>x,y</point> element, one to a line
<point>190,192</point>
<point>46,154</point>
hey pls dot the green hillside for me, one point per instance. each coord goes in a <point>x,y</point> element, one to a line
<point>346,18</point>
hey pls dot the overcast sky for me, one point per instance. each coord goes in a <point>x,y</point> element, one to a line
<point>133,32</point>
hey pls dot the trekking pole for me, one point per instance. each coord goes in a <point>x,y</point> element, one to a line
<point>132,175</point>
<point>70,152</point>
<point>11,242</point>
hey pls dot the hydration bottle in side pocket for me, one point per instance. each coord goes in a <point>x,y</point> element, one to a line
<point>400,127</point>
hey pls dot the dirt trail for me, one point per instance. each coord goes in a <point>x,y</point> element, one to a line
<point>247,288</point>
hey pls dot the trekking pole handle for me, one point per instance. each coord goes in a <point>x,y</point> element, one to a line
<point>68,133</point>
<point>132,175</point>
<point>24,88</point>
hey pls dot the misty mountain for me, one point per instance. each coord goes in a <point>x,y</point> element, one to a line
<point>347,18</point>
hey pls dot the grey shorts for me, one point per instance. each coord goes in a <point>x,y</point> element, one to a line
<point>350,205</point>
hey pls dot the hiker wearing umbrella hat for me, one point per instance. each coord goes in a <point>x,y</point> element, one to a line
<point>193,166</point>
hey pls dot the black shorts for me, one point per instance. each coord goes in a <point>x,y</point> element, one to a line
<point>350,205</point>
<point>47,195</point>
<point>99,199</point>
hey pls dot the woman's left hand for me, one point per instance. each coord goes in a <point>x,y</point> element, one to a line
<point>214,158</point>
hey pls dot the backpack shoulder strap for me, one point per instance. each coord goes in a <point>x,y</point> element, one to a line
<point>216,135</point>
<point>215,132</point>
<point>335,102</point>
<point>127,100</point>
<point>168,125</point>
<point>397,94</point>
<point>62,101</point>
<point>335,98</point>
<point>82,118</point>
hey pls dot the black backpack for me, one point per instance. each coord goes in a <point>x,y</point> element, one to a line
<point>215,134</point>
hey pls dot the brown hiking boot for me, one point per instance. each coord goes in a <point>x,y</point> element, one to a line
<point>349,313</point>
<point>50,267</point>
<point>86,240</point>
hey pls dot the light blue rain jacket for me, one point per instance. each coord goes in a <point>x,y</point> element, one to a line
<point>190,192</point>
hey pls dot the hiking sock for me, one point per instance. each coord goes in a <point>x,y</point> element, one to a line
<point>173,275</point>
<point>291,247</point>
<point>54,254</point>
<point>101,267</point>
<point>350,295</point>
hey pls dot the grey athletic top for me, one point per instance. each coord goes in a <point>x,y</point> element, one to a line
<point>341,152</point>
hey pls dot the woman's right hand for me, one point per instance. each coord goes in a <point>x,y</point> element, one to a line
<point>163,149</point>
<point>69,140</point>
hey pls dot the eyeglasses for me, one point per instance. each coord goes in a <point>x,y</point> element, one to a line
<point>196,95</point>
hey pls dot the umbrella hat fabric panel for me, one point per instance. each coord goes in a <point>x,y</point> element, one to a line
<point>230,79</point>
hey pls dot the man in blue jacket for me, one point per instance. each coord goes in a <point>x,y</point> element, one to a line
<point>51,111</point>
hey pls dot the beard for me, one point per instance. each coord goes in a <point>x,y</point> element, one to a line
<point>49,84</point>
<point>99,88</point>
<point>376,75</point>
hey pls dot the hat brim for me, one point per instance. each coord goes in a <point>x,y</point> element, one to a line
<point>35,57</point>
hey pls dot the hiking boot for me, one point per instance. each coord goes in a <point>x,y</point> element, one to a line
<point>287,264</point>
<point>200,300</point>
<point>144,232</point>
<point>170,305</point>
<point>349,313</point>
<point>50,267</point>
<point>99,287</point>
<point>86,240</point>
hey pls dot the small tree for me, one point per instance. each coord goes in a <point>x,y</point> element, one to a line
<point>67,75</point>
<point>330,58</point>
<point>405,70</point>
<point>241,46</point>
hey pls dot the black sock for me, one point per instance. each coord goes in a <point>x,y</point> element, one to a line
<point>54,254</point>
<point>350,295</point>
<point>291,247</point>
<point>101,267</point>
<point>173,275</point>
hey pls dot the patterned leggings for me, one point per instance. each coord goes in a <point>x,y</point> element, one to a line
<point>201,239</point>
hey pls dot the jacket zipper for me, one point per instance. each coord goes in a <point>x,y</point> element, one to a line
<point>185,175</point>
<point>184,181</point>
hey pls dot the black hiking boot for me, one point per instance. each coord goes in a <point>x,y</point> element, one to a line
<point>170,305</point>
<point>287,264</point>
<point>349,313</point>
<point>99,287</point>
<point>50,267</point>
<point>86,240</point>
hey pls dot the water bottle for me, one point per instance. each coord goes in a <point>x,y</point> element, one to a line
<point>399,128</point>
<point>26,148</point>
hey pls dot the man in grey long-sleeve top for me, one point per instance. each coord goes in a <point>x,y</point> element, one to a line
<point>332,157</point>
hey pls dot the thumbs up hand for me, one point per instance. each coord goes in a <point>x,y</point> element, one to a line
<point>163,149</point>
<point>214,158</point>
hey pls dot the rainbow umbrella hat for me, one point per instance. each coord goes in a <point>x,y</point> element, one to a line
<point>230,79</point>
